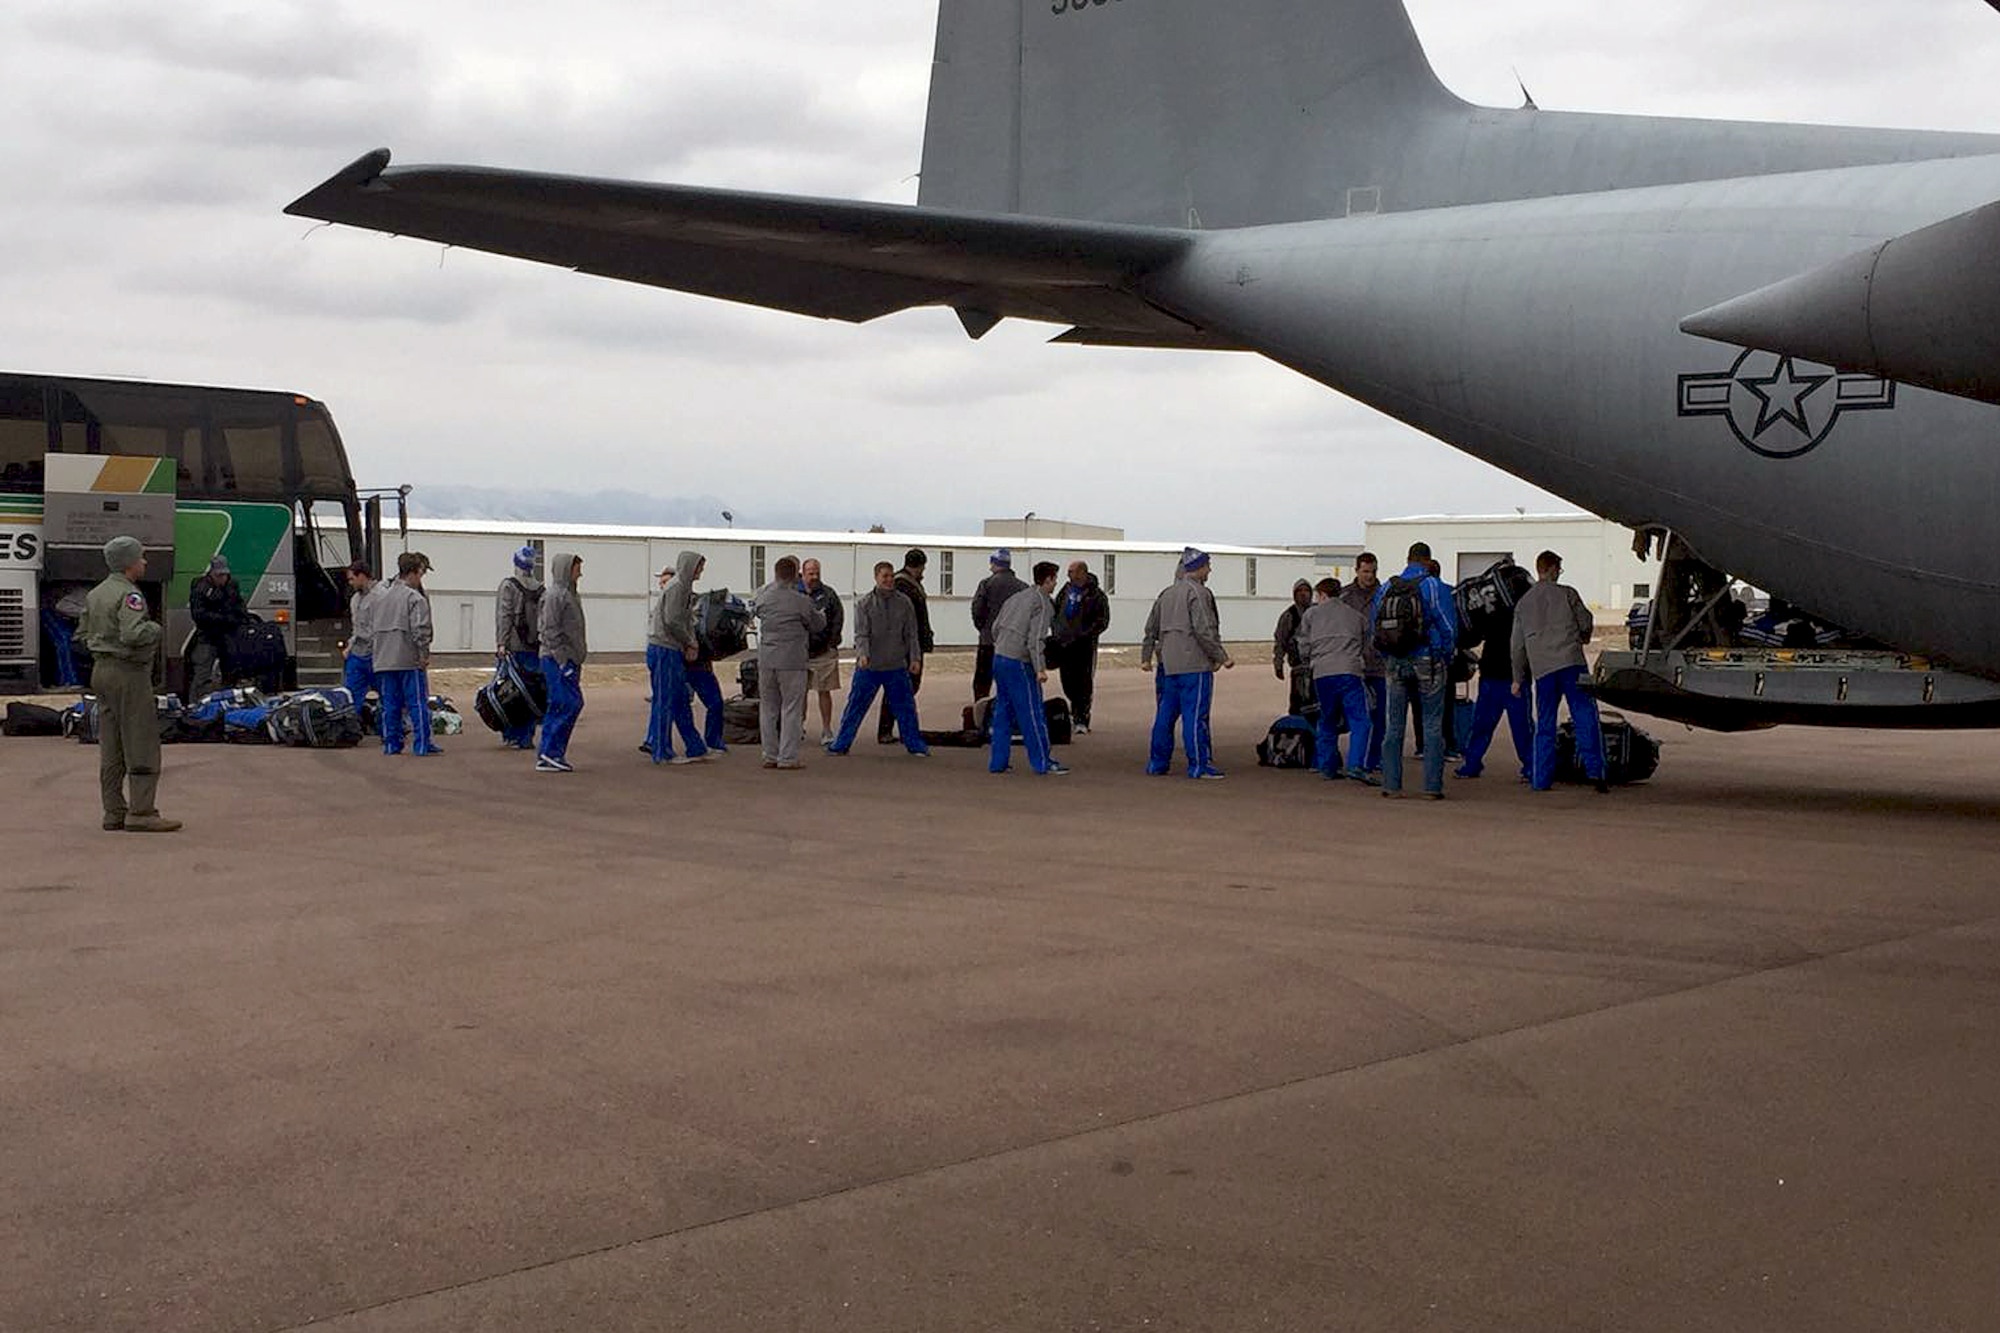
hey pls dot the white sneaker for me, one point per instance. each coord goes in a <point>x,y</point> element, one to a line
<point>680,759</point>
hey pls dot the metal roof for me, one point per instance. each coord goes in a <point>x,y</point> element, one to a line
<point>477,527</point>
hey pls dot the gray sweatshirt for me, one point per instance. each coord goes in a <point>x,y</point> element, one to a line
<point>885,632</point>
<point>786,618</point>
<point>361,637</point>
<point>1021,627</point>
<point>561,624</point>
<point>673,614</point>
<point>401,620</point>
<point>1190,629</point>
<point>515,613</point>
<point>1551,625</point>
<point>1332,638</point>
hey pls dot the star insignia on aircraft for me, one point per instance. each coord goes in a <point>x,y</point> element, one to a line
<point>1781,407</point>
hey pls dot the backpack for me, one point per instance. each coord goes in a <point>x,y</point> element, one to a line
<point>722,623</point>
<point>1479,599</point>
<point>1399,624</point>
<point>1289,743</point>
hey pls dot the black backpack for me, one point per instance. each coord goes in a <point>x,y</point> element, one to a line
<point>1399,624</point>
<point>1290,743</point>
<point>722,623</point>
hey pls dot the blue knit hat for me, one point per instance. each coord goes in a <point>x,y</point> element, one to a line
<point>524,559</point>
<point>1192,559</point>
<point>1002,557</point>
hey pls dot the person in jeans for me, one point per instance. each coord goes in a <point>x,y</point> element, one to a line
<point>1421,669</point>
<point>887,657</point>
<point>1551,626</point>
<point>786,622</point>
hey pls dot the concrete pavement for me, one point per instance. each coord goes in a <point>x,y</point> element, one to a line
<point>447,1044</point>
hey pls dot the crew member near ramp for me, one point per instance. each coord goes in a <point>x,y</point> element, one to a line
<point>1551,626</point>
<point>123,641</point>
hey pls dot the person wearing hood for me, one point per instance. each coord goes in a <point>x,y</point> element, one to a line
<point>1082,615</point>
<point>888,655</point>
<point>1285,647</point>
<point>671,646</point>
<point>560,627</point>
<point>124,639</point>
<point>1191,651</point>
<point>400,616</point>
<point>357,672</point>
<point>516,608</point>
<point>216,605</point>
<point>994,591</point>
<point>786,622</point>
<point>1551,627</point>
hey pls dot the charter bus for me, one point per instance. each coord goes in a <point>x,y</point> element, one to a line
<point>257,477</point>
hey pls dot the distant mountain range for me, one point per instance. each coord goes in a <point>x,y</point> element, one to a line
<point>637,509</point>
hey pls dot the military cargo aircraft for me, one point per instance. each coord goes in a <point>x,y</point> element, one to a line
<point>1778,343</point>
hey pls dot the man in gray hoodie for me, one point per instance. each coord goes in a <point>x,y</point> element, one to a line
<point>400,615</point>
<point>1191,651</point>
<point>1551,626</point>
<point>786,622</point>
<point>516,608</point>
<point>564,647</point>
<point>1020,629</point>
<point>888,655</point>
<point>670,648</point>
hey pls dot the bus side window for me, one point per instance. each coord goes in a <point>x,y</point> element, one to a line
<point>24,438</point>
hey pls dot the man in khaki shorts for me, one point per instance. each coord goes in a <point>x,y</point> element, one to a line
<point>823,666</point>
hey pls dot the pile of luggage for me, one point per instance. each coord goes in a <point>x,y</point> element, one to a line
<point>313,719</point>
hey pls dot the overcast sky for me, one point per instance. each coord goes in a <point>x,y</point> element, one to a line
<point>149,148</point>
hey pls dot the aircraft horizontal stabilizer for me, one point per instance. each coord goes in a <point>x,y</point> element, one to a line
<point>835,259</point>
<point>1923,308</point>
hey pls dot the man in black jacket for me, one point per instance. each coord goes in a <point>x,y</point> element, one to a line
<point>910,582</point>
<point>987,599</point>
<point>1082,615</point>
<point>216,604</point>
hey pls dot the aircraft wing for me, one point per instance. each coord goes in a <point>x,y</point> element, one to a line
<point>836,259</point>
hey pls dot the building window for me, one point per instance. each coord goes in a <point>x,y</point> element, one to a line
<point>944,573</point>
<point>1641,591</point>
<point>541,559</point>
<point>1249,576</point>
<point>1110,573</point>
<point>756,566</point>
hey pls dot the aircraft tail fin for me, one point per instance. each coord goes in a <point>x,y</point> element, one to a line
<point>1180,113</point>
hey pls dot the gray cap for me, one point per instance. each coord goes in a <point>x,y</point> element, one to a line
<point>218,565</point>
<point>121,553</point>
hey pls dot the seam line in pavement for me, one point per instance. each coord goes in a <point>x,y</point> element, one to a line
<point>1149,1117</point>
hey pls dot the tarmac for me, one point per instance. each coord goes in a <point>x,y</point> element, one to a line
<point>378,1045</point>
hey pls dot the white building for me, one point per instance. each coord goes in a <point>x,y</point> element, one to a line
<point>1251,584</point>
<point>1597,554</point>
